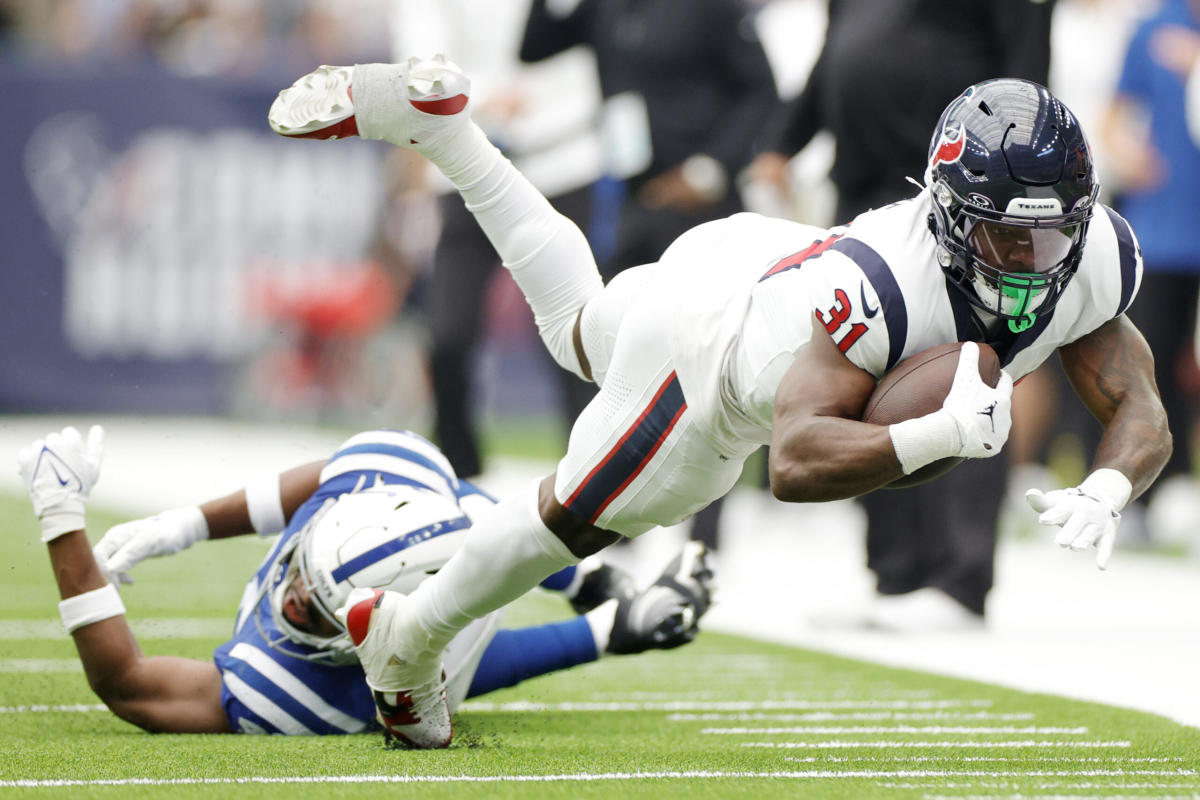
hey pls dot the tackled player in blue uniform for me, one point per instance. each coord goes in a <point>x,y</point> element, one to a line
<point>384,512</point>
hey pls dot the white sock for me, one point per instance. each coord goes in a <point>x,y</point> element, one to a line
<point>547,254</point>
<point>507,553</point>
<point>600,619</point>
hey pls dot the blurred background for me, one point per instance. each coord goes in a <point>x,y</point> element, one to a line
<point>169,259</point>
<point>166,254</point>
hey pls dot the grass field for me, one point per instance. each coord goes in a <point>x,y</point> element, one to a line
<point>724,717</point>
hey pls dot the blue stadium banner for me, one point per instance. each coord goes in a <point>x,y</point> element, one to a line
<point>139,208</point>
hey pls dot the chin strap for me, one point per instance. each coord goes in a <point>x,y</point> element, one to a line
<point>1023,324</point>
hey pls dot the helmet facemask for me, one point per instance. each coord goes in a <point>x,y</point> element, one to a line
<point>388,536</point>
<point>292,564</point>
<point>1011,265</point>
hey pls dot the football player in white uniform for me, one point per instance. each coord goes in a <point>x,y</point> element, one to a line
<point>385,511</point>
<point>751,331</point>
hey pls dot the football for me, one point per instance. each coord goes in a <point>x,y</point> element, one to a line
<point>917,386</point>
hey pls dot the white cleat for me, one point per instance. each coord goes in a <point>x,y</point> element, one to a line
<point>412,104</point>
<point>410,696</point>
<point>318,106</point>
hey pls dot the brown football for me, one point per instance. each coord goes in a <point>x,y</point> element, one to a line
<point>917,386</point>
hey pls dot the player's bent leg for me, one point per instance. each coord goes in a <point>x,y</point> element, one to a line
<point>413,104</point>
<point>661,616</point>
<point>638,457</point>
<point>517,655</point>
<point>422,105</point>
<point>508,551</point>
<point>547,254</point>
<point>580,536</point>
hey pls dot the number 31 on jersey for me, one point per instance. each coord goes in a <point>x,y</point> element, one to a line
<point>838,315</point>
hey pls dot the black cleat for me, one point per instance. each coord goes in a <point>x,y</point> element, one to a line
<point>666,614</point>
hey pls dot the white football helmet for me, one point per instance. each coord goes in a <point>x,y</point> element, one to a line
<point>389,536</point>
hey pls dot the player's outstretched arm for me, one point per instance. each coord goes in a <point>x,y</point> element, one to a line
<point>1112,371</point>
<point>263,506</point>
<point>158,694</point>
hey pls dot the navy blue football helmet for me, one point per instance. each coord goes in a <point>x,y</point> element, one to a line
<point>1013,189</point>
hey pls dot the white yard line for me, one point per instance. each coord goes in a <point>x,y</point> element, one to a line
<point>148,628</point>
<point>40,665</point>
<point>78,708</point>
<point>1055,759</point>
<point>730,705</point>
<point>835,730</point>
<point>831,716</point>
<point>1058,796</point>
<point>838,744</point>
<point>586,777</point>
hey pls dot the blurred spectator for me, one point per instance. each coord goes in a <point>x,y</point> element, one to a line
<point>1193,102</point>
<point>200,37</point>
<point>543,117</point>
<point>886,71</point>
<point>1146,133</point>
<point>686,85</point>
<point>1085,78</point>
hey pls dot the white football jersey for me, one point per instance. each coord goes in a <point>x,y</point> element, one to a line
<point>748,290</point>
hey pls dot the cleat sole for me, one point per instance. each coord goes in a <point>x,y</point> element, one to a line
<point>318,105</point>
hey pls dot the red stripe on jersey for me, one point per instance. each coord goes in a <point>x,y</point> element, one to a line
<point>796,259</point>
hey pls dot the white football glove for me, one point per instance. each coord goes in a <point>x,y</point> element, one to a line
<point>982,414</point>
<point>59,473</point>
<point>973,421</point>
<point>1088,513</point>
<point>163,534</point>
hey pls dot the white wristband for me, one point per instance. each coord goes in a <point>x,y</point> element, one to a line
<point>94,606</point>
<point>58,524</point>
<point>1110,485</point>
<point>264,504</point>
<point>923,440</point>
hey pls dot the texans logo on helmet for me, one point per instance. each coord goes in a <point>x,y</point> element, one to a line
<point>950,146</point>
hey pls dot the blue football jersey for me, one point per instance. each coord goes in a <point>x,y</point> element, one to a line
<point>266,690</point>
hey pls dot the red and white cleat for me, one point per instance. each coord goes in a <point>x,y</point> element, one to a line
<point>413,104</point>
<point>318,106</point>
<point>410,696</point>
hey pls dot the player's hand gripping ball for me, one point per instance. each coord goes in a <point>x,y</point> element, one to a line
<point>917,386</point>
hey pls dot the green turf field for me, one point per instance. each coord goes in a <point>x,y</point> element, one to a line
<point>724,717</point>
